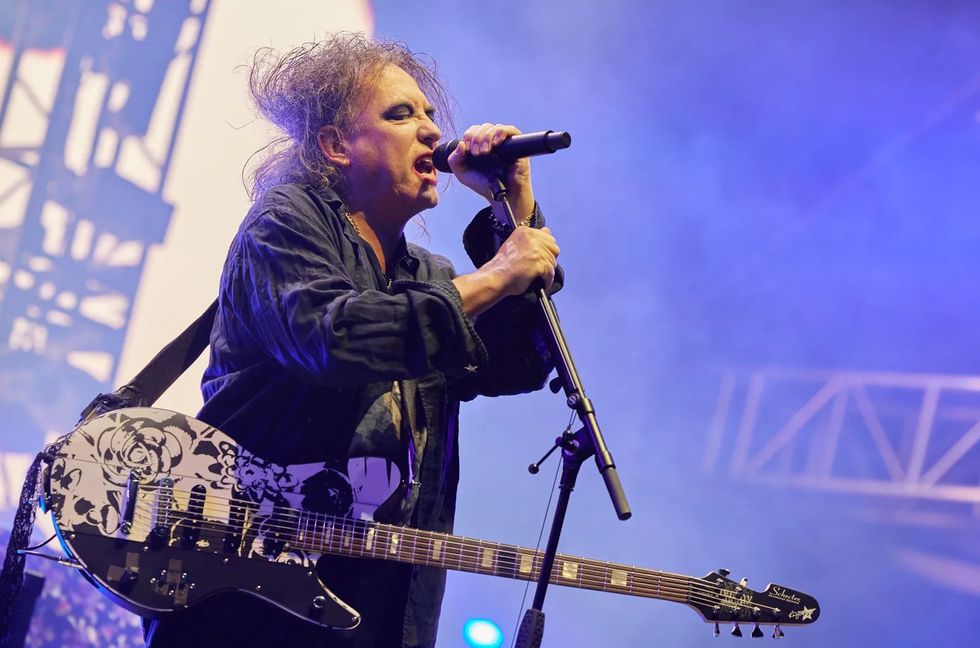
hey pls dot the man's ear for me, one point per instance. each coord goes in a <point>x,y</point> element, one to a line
<point>333,147</point>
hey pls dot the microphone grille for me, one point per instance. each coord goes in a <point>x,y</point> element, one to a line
<point>440,156</point>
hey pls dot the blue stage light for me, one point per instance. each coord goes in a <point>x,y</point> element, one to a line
<point>483,633</point>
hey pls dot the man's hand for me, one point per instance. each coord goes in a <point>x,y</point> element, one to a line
<point>480,140</point>
<point>526,255</point>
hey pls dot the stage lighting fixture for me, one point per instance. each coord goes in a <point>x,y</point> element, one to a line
<point>482,633</point>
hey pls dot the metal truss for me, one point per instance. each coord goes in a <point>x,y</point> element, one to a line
<point>91,99</point>
<point>892,434</point>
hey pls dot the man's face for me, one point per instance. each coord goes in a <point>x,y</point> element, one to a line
<point>390,148</point>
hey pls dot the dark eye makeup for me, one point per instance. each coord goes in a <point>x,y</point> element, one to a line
<point>399,111</point>
<point>404,111</point>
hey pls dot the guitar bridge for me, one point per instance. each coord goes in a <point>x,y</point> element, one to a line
<point>132,492</point>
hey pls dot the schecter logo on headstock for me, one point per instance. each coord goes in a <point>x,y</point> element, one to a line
<point>779,593</point>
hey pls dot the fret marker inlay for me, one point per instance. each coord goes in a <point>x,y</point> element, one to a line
<point>393,549</point>
<point>569,570</point>
<point>436,549</point>
<point>486,558</point>
<point>618,577</point>
<point>527,562</point>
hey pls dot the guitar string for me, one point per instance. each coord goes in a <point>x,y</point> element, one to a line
<point>673,592</point>
<point>665,586</point>
<point>321,520</point>
<point>357,546</point>
<point>356,531</point>
<point>678,593</point>
<point>448,539</point>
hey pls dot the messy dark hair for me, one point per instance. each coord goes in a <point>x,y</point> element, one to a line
<point>320,84</point>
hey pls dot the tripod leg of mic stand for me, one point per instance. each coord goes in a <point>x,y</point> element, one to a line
<point>532,629</point>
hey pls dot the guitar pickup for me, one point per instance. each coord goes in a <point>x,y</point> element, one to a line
<point>194,517</point>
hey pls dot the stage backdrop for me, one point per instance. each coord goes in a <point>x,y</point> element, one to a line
<point>767,220</point>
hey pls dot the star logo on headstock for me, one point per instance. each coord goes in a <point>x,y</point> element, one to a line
<point>471,368</point>
<point>807,613</point>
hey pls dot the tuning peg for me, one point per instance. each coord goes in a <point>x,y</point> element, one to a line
<point>744,582</point>
<point>724,572</point>
<point>777,632</point>
<point>736,631</point>
<point>757,632</point>
<point>717,629</point>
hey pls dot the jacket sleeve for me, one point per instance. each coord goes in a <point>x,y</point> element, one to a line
<point>294,296</point>
<point>513,331</point>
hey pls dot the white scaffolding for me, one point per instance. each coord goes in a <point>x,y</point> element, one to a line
<point>892,434</point>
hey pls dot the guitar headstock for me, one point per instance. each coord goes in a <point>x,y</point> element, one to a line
<point>721,600</point>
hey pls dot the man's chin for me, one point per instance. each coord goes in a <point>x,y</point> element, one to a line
<point>429,197</point>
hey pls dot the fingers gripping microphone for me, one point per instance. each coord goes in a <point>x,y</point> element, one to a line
<point>512,148</point>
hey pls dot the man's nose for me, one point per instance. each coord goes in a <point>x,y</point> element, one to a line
<point>429,132</point>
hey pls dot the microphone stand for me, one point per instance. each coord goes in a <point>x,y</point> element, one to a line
<point>576,447</point>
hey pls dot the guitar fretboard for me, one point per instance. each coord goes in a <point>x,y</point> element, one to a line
<point>357,538</point>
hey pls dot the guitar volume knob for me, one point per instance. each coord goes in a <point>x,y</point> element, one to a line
<point>319,602</point>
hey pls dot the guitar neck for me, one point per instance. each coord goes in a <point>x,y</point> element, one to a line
<point>361,539</point>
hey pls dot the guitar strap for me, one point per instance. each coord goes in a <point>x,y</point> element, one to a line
<point>160,372</point>
<point>142,391</point>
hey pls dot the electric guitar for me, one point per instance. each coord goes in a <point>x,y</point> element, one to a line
<point>161,511</point>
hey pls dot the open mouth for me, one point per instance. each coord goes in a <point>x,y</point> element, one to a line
<point>424,167</point>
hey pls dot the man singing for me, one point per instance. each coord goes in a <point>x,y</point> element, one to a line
<point>335,339</point>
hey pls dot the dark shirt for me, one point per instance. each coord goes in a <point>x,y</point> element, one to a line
<point>316,356</point>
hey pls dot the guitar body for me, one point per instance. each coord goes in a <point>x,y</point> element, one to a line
<point>163,511</point>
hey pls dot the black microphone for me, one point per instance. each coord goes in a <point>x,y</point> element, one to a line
<point>512,148</point>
